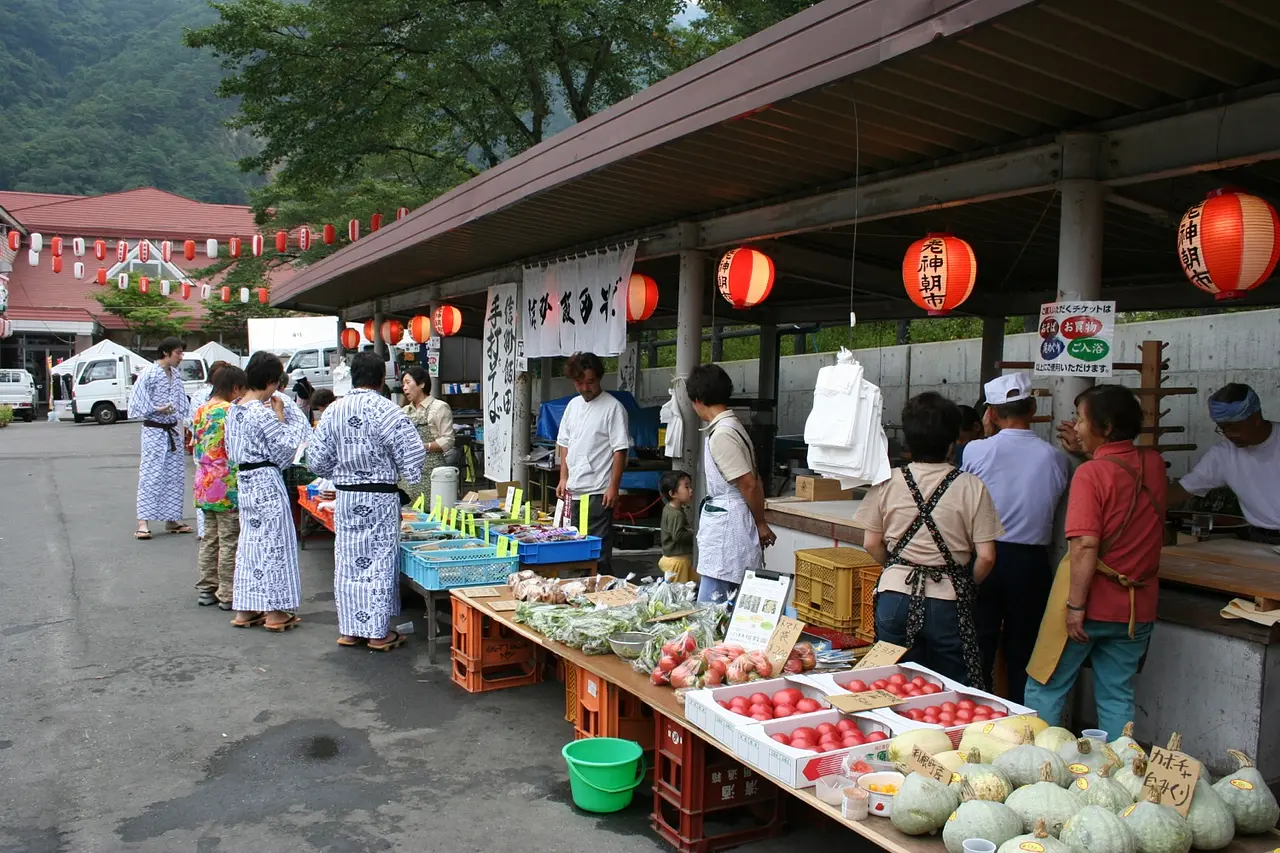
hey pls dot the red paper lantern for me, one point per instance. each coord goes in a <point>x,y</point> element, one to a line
<point>329,234</point>
<point>55,246</point>
<point>401,213</point>
<point>6,327</point>
<point>77,247</point>
<point>368,330</point>
<point>166,250</point>
<point>392,331</point>
<point>256,244</point>
<point>102,277</point>
<point>262,295</point>
<point>57,263</point>
<point>100,249</point>
<point>642,297</point>
<point>745,277</point>
<point>144,285</point>
<point>420,329</point>
<point>144,251</point>
<point>186,290</point>
<point>15,240</point>
<point>1229,243</point>
<point>77,269</point>
<point>938,273</point>
<point>282,242</point>
<point>234,247</point>
<point>226,293</point>
<point>447,320</point>
<point>350,339</point>
<point>304,238</point>
<point>122,251</point>
<point>375,222</point>
<point>353,230</point>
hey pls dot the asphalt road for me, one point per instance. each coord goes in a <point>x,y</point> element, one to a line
<point>134,720</point>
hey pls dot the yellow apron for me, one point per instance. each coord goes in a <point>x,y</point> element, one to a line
<point>1052,638</point>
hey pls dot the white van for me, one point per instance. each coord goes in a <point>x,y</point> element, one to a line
<point>100,390</point>
<point>18,390</point>
<point>314,364</point>
<point>194,373</point>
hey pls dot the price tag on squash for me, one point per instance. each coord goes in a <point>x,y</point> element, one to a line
<point>1174,776</point>
<point>922,762</point>
<point>881,654</point>
<point>868,700</point>
<point>782,642</point>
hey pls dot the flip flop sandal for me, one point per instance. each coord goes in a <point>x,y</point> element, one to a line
<point>281,627</point>
<point>142,534</point>
<point>394,639</point>
<point>351,642</point>
<point>251,622</point>
<point>181,528</point>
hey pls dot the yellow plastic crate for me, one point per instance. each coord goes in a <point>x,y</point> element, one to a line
<point>868,577</point>
<point>570,692</point>
<point>828,589</point>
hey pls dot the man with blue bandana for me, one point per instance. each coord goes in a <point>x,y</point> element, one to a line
<point>1248,462</point>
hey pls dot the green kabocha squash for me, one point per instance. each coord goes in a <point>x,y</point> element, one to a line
<point>1132,776</point>
<point>1157,828</point>
<point>922,805</point>
<point>1022,765</point>
<point>1125,746</point>
<point>1212,824</point>
<point>1096,829</point>
<point>1246,794</point>
<point>1054,737</point>
<point>1045,799</point>
<point>1037,841</point>
<point>1084,754</point>
<point>1175,745</point>
<point>978,818</point>
<point>1099,789</point>
<point>988,782</point>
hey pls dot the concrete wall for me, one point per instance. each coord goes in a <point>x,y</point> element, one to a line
<point>1204,352</point>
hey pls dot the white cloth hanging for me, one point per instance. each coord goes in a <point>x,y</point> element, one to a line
<point>844,431</point>
<point>673,415</point>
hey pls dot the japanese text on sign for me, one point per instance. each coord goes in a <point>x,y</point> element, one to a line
<point>920,761</point>
<point>933,272</point>
<point>1174,776</point>
<point>578,305</point>
<point>1191,252</point>
<point>1076,339</point>
<point>500,335</point>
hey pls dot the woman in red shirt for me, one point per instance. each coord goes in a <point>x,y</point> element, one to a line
<point>1103,604</point>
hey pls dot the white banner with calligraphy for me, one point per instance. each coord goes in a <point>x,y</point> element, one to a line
<point>629,369</point>
<point>1076,339</point>
<point>578,305</point>
<point>501,331</point>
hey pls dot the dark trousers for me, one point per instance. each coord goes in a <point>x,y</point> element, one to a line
<point>937,646</point>
<point>600,523</point>
<point>1011,603</point>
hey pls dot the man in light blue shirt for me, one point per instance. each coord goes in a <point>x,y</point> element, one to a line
<point>1026,477</point>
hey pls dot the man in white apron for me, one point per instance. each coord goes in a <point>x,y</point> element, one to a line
<point>731,528</point>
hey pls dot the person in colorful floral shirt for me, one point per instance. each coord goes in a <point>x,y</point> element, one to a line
<point>215,490</point>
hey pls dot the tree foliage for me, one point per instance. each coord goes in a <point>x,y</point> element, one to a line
<point>228,321</point>
<point>149,315</point>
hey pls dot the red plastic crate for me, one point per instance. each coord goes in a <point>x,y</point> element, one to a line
<point>695,776</point>
<point>606,710</point>
<point>485,640</point>
<point>483,679</point>
<point>707,832</point>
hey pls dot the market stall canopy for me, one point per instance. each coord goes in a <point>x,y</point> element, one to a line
<point>214,351</point>
<point>104,349</point>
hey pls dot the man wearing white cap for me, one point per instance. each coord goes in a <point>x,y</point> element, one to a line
<point>1248,461</point>
<point>1026,477</point>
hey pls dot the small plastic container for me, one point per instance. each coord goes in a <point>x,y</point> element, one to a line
<point>830,789</point>
<point>879,804</point>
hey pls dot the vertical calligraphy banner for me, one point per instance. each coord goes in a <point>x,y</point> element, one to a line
<point>501,331</point>
<point>578,305</point>
<point>629,370</point>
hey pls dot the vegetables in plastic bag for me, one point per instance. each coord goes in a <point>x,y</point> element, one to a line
<point>689,673</point>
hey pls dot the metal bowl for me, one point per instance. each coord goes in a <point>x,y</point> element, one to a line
<point>629,644</point>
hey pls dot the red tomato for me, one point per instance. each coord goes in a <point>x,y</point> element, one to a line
<point>808,706</point>
<point>790,696</point>
<point>967,704</point>
<point>737,701</point>
<point>825,728</point>
<point>980,714</point>
<point>781,738</point>
<point>846,726</point>
<point>946,718</point>
<point>915,714</point>
<point>933,709</point>
<point>964,715</point>
<point>895,689</point>
<point>780,711</point>
<point>762,711</point>
<point>919,681</point>
<point>912,690</point>
<point>875,737</point>
<point>930,689</point>
<point>801,743</point>
<point>822,747</point>
<point>722,703</point>
<point>995,715</point>
<point>829,741</point>
<point>880,684</point>
<point>804,732</point>
<point>850,742</point>
<point>949,706</point>
<point>856,686</point>
<point>857,737</point>
<point>763,718</point>
<point>897,678</point>
<point>930,719</point>
<point>760,699</point>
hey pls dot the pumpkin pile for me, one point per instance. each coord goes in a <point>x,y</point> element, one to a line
<point>1017,780</point>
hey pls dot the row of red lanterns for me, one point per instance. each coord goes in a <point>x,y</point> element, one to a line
<point>185,288</point>
<point>445,321</point>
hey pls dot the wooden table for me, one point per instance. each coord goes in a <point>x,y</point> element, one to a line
<point>1244,569</point>
<point>663,700</point>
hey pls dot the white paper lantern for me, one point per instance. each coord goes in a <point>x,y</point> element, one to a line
<point>166,250</point>
<point>205,290</point>
<point>77,269</point>
<point>211,248</point>
<point>77,247</point>
<point>37,242</point>
<point>122,281</point>
<point>164,286</point>
<point>244,294</point>
<point>33,257</point>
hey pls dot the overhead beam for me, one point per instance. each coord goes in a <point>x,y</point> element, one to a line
<point>409,300</point>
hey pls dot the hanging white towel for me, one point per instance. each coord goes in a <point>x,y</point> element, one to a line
<point>844,431</point>
<point>673,415</point>
<point>834,417</point>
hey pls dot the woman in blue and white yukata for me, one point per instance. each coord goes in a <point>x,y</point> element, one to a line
<point>160,401</point>
<point>366,444</point>
<point>264,430</point>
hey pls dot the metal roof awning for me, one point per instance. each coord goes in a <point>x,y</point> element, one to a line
<point>942,114</point>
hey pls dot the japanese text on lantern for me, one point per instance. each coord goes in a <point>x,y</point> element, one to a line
<point>1190,253</point>
<point>933,272</point>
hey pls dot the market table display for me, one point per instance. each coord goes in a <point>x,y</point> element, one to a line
<point>928,811</point>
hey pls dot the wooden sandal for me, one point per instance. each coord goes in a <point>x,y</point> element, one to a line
<point>181,528</point>
<point>142,534</point>
<point>252,622</point>
<point>350,642</point>
<point>393,640</point>
<point>281,627</point>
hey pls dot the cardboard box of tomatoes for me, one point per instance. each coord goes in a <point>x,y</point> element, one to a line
<point>903,679</point>
<point>950,710</point>
<point>798,751</point>
<point>721,711</point>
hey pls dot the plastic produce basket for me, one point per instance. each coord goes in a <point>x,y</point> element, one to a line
<point>568,551</point>
<point>446,569</point>
<point>828,590</point>
<point>868,578</point>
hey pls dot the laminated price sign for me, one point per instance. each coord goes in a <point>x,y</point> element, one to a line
<point>1076,339</point>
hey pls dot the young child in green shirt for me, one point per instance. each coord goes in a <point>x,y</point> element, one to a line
<point>677,532</point>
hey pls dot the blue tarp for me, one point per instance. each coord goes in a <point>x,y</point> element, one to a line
<point>643,422</point>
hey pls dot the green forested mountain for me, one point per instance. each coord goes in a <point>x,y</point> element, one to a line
<point>101,95</point>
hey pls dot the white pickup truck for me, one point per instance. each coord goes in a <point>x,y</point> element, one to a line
<point>18,390</point>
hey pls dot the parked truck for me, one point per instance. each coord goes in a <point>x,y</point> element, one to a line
<point>308,346</point>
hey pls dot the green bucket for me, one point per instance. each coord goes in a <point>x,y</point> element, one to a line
<point>603,772</point>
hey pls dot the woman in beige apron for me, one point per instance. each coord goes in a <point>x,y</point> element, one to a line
<point>1109,417</point>
<point>433,419</point>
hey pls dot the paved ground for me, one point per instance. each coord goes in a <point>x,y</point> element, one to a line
<point>133,720</point>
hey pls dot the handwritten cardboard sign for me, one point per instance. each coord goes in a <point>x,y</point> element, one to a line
<point>679,614</point>
<point>868,700</point>
<point>612,597</point>
<point>881,654</point>
<point>503,606</point>
<point>481,592</point>
<point>782,642</point>
<point>922,762</point>
<point>1174,775</point>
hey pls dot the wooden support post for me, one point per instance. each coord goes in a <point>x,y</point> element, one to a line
<point>1152,358</point>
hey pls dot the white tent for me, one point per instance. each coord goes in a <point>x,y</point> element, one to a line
<point>103,349</point>
<point>214,351</point>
